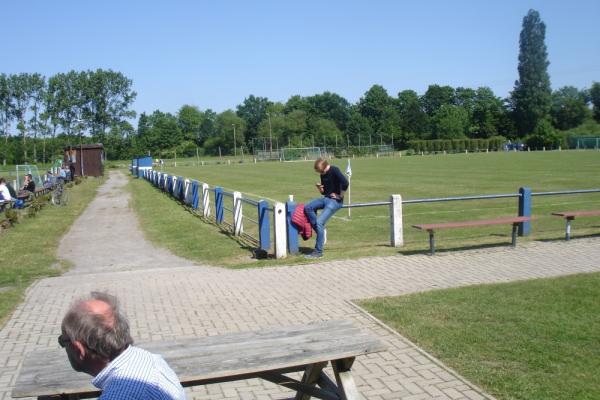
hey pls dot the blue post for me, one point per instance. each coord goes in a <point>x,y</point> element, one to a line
<point>219,204</point>
<point>169,184</point>
<point>292,232</point>
<point>525,210</point>
<point>195,198</point>
<point>180,188</point>
<point>264,226</point>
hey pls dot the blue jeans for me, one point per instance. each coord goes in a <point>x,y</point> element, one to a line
<point>329,207</point>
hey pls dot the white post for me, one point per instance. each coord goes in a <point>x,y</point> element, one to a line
<point>238,224</point>
<point>187,198</point>
<point>279,221</point>
<point>396,232</point>
<point>205,201</point>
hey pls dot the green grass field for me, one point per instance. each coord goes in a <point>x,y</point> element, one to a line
<point>536,339</point>
<point>29,248</point>
<point>367,231</point>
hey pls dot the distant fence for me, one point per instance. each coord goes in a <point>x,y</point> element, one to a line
<point>275,232</point>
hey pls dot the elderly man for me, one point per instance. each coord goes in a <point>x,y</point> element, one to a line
<point>96,336</point>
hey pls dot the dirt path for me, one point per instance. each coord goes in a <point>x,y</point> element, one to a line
<point>107,236</point>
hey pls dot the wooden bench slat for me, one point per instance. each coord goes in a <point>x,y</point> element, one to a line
<point>574,214</point>
<point>465,224</point>
<point>213,358</point>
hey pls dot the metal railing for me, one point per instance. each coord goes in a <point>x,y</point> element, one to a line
<point>284,232</point>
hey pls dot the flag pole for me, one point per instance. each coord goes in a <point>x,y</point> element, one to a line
<point>349,173</point>
<point>349,196</point>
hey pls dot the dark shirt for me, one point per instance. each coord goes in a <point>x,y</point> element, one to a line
<point>334,181</point>
<point>30,186</point>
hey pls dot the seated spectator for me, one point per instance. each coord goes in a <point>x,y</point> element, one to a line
<point>28,184</point>
<point>95,335</point>
<point>5,191</point>
<point>49,178</point>
<point>62,172</point>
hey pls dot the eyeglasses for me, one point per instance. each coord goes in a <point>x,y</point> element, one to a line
<point>63,341</point>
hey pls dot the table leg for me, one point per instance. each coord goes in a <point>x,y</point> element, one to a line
<point>310,377</point>
<point>514,235</point>
<point>343,376</point>
<point>568,229</point>
<point>431,243</point>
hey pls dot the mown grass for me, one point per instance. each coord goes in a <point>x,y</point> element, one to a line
<point>536,339</point>
<point>167,223</point>
<point>367,231</point>
<point>29,248</point>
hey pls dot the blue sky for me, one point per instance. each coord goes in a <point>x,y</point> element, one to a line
<point>214,54</point>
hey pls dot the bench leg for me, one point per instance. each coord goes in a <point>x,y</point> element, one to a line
<point>343,376</point>
<point>311,377</point>
<point>514,235</point>
<point>568,229</point>
<point>431,243</point>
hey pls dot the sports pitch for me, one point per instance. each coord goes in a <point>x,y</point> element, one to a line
<point>366,232</point>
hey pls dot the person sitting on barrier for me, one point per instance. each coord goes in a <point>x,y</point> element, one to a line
<point>4,190</point>
<point>333,185</point>
<point>95,335</point>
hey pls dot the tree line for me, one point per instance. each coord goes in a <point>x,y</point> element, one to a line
<point>97,105</point>
<point>49,113</point>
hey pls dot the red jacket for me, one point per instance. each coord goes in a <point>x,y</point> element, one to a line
<point>301,222</point>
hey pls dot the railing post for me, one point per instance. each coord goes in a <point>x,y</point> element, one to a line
<point>525,210</point>
<point>280,231</point>
<point>205,200</point>
<point>396,231</point>
<point>238,222</point>
<point>264,226</point>
<point>186,192</point>
<point>219,205</point>
<point>292,232</point>
<point>195,196</point>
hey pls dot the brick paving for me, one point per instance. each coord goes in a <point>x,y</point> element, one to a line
<point>166,297</point>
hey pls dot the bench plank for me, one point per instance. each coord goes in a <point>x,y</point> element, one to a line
<point>574,214</point>
<point>214,358</point>
<point>431,228</point>
<point>466,224</point>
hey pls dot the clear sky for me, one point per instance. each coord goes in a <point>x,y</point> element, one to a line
<point>213,54</point>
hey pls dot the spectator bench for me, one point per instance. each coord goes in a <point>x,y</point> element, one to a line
<point>571,215</point>
<point>267,354</point>
<point>431,228</point>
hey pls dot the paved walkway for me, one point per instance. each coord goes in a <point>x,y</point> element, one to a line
<point>168,297</point>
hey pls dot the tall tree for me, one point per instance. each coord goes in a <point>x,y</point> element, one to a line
<point>486,114</point>
<point>569,107</point>
<point>6,111</point>
<point>253,110</point>
<point>450,122</point>
<point>595,98</point>
<point>437,96</point>
<point>532,93</point>
<point>21,93</point>
<point>412,117</point>
<point>37,94</point>
<point>190,120</point>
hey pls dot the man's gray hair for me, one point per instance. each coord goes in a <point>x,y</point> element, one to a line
<point>105,334</point>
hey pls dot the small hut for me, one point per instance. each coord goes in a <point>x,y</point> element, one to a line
<point>87,158</point>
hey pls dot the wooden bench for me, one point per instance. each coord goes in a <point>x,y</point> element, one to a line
<point>268,354</point>
<point>571,215</point>
<point>431,228</point>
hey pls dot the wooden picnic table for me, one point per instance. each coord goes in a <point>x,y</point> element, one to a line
<point>267,354</point>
